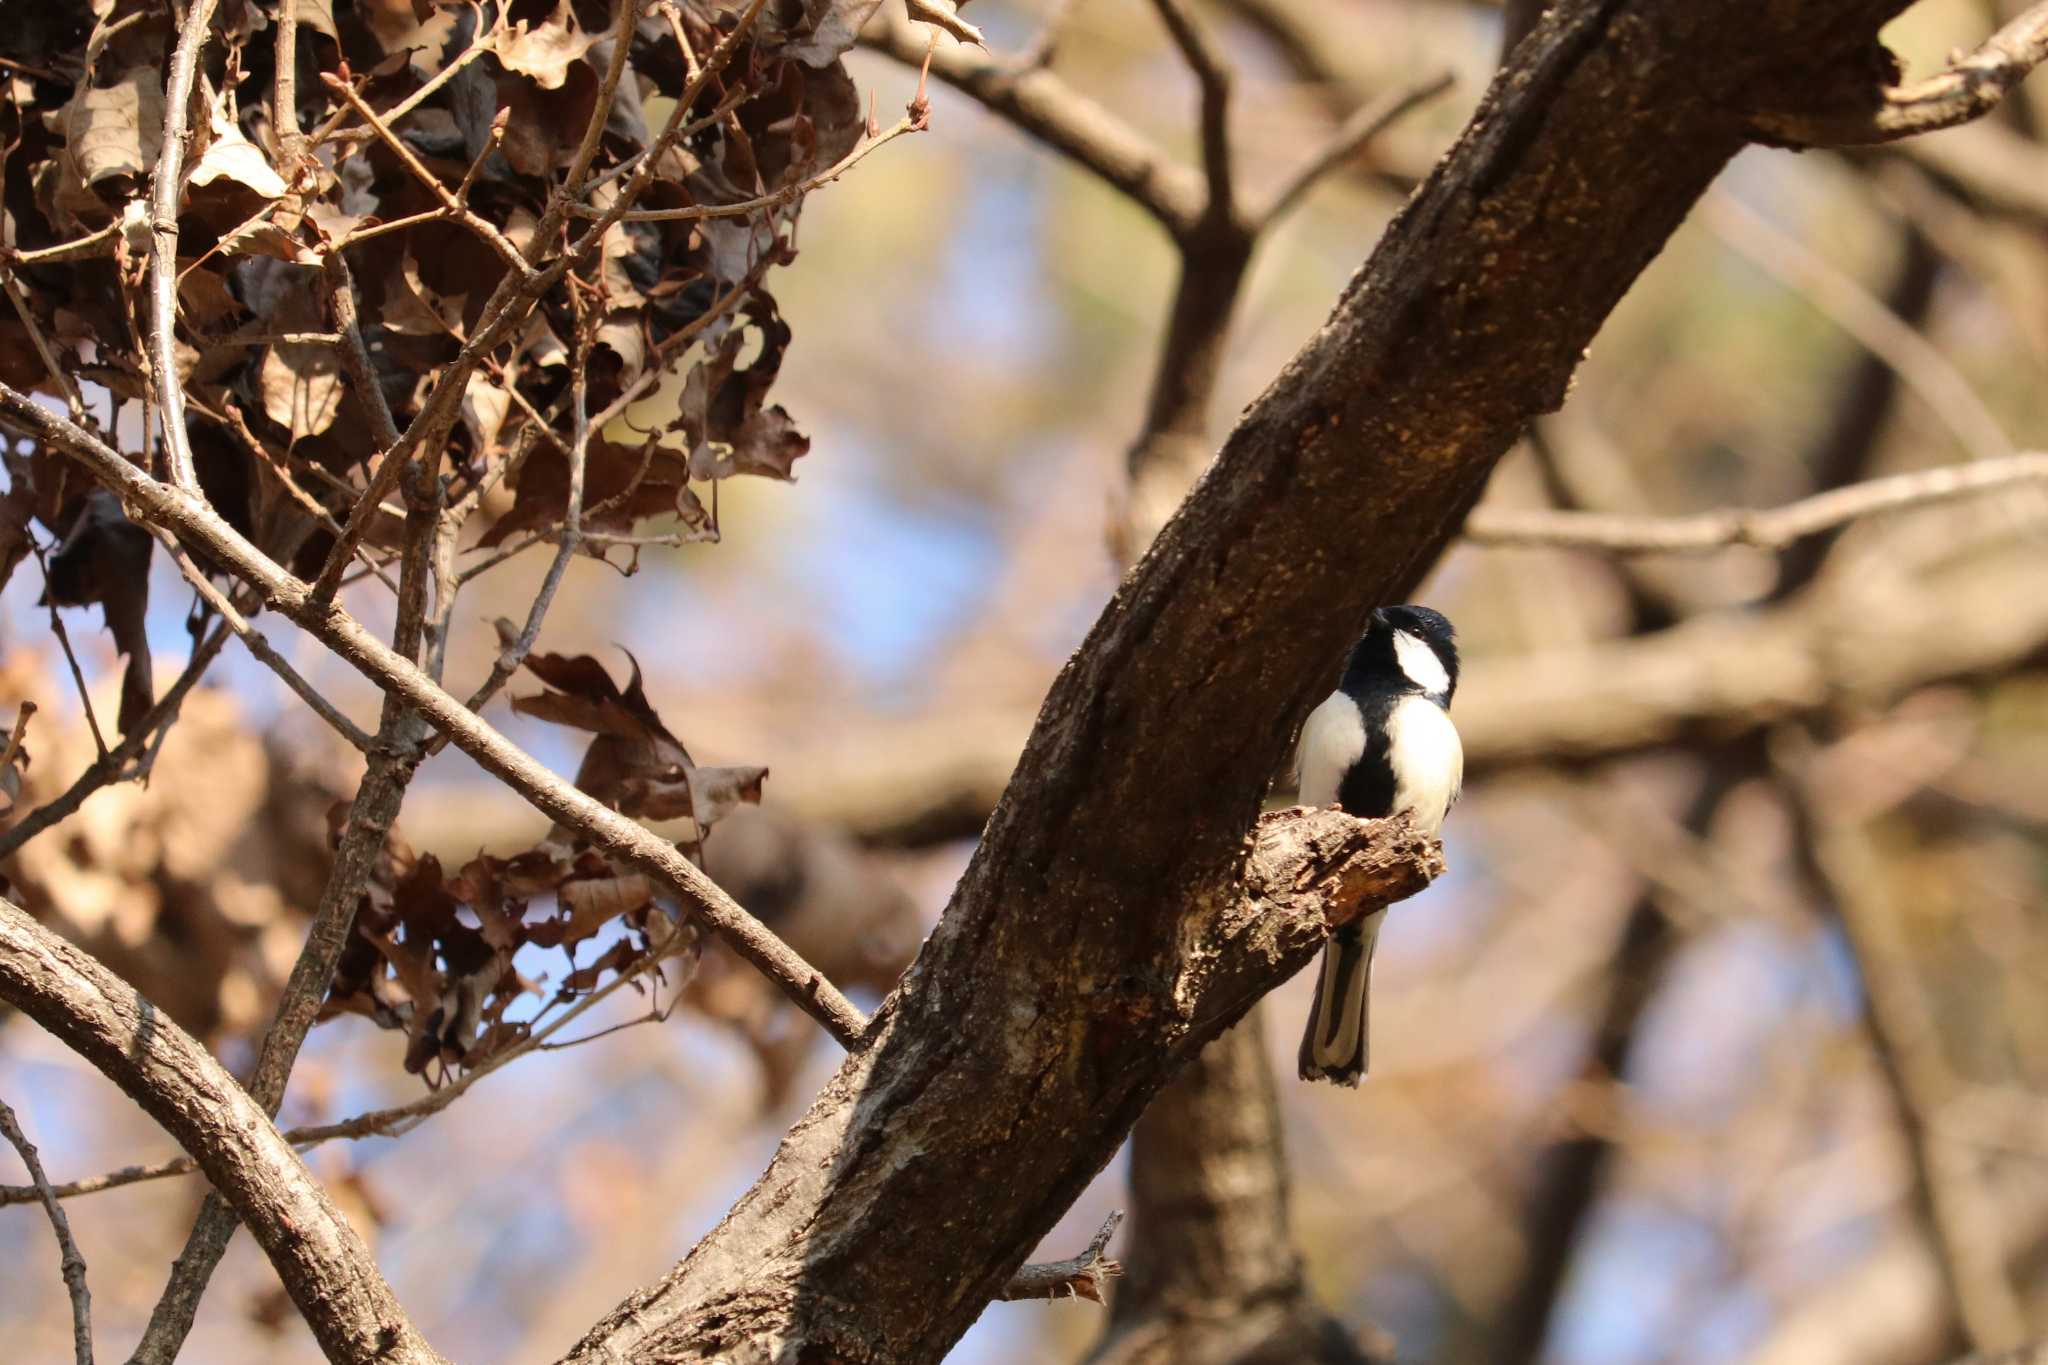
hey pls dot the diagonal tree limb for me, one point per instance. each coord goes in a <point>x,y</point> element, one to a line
<point>322,1262</point>
<point>1042,1013</point>
<point>195,523</point>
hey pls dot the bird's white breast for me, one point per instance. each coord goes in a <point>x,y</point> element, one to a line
<point>1428,760</point>
<point>1332,739</point>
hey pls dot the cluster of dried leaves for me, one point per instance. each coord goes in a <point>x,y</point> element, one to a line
<point>433,953</point>
<point>479,229</point>
<point>423,143</point>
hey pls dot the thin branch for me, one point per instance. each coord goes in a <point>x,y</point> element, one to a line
<point>73,1262</point>
<point>1077,1277</point>
<point>1367,123</point>
<point>111,766</point>
<point>92,246</point>
<point>625,14</point>
<point>1968,90</point>
<point>284,99</point>
<point>259,645</point>
<point>355,354</point>
<point>166,187</point>
<point>567,541</point>
<point>64,641</point>
<point>1905,1041</point>
<point>394,756</point>
<point>395,1121</point>
<point>1864,316</point>
<point>1040,104</point>
<point>451,204</point>
<point>193,520</point>
<point>1773,528</point>
<point>1212,75</point>
<point>910,123</point>
<point>42,345</point>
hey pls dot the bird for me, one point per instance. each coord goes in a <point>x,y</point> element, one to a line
<point>1380,745</point>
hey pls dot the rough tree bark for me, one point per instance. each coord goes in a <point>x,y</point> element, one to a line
<point>1054,999</point>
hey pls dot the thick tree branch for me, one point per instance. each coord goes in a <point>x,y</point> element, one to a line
<point>1005,1069</point>
<point>1302,873</point>
<point>322,1262</point>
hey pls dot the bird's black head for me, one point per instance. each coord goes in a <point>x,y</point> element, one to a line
<point>1383,661</point>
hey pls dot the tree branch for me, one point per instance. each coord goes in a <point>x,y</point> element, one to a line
<point>73,1262</point>
<point>1774,528</point>
<point>1076,1277</point>
<point>322,1262</point>
<point>196,523</point>
<point>167,187</point>
<point>1968,90</point>
<point>1367,122</point>
<point>1040,103</point>
<point>1302,874</point>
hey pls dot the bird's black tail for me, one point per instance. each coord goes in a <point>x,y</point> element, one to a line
<point>1334,1047</point>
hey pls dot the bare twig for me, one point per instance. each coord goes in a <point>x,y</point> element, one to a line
<point>1968,90</point>
<point>1037,102</point>
<point>910,123</point>
<point>73,1262</point>
<point>355,355</point>
<point>92,246</point>
<point>394,756</point>
<point>1213,77</point>
<point>1076,1277</point>
<point>166,186</point>
<point>1367,123</point>
<point>42,345</point>
<point>284,99</point>
<point>1854,309</point>
<point>394,1121</point>
<point>626,13</point>
<point>259,645</point>
<point>1772,528</point>
<point>64,641</point>
<point>451,204</point>
<point>567,541</point>
<point>1905,1040</point>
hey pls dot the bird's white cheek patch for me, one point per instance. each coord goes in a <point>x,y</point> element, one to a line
<point>1420,663</point>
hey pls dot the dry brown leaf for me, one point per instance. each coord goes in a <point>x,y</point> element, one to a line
<point>544,51</point>
<point>115,129</point>
<point>301,387</point>
<point>485,406</point>
<point>231,156</point>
